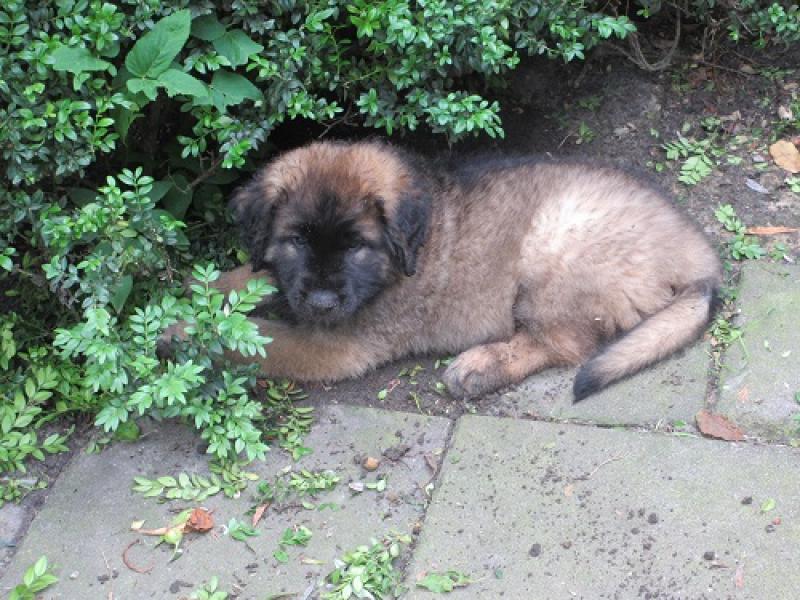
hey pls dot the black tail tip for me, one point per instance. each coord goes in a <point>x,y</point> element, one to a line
<point>586,383</point>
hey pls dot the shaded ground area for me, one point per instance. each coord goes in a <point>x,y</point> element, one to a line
<point>521,492</point>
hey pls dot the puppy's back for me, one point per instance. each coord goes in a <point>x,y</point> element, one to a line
<point>611,255</point>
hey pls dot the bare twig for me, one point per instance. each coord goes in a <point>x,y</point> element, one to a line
<point>110,576</point>
<point>205,174</point>
<point>597,468</point>
<point>637,57</point>
<point>127,562</point>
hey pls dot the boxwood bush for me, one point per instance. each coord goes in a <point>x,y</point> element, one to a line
<point>122,127</point>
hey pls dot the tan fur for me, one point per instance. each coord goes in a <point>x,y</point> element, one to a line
<point>523,268</point>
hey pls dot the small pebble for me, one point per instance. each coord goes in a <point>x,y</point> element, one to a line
<point>709,555</point>
<point>769,528</point>
<point>747,500</point>
<point>74,575</point>
<point>370,463</point>
<point>535,550</point>
<point>652,518</point>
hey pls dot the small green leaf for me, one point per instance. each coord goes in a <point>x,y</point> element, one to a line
<point>281,556</point>
<point>444,582</point>
<point>121,292</point>
<point>128,431</point>
<point>179,197</point>
<point>768,505</point>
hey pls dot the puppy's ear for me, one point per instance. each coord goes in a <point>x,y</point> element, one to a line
<point>405,228</point>
<point>253,208</point>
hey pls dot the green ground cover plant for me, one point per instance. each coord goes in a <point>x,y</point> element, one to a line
<point>123,126</point>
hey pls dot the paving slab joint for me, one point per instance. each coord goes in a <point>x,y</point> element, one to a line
<point>435,480</point>
<point>728,306</point>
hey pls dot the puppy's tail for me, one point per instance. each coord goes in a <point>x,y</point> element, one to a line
<point>658,336</point>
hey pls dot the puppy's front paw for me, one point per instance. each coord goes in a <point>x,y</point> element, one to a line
<point>471,374</point>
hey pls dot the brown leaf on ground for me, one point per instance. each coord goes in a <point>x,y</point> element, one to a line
<point>738,578</point>
<point>770,230</point>
<point>786,155</point>
<point>259,512</point>
<point>717,426</point>
<point>200,520</point>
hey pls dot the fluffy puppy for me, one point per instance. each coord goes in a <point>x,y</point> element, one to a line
<point>518,265</point>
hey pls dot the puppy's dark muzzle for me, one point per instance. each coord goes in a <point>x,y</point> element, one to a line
<point>322,301</point>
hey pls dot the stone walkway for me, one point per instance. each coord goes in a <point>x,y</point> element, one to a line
<point>617,497</point>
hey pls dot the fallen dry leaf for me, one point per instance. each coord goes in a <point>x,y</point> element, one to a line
<point>743,394</point>
<point>786,155</point>
<point>717,426</point>
<point>738,578</point>
<point>259,512</point>
<point>770,230</point>
<point>200,520</point>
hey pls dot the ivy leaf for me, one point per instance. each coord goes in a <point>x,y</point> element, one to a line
<point>121,292</point>
<point>207,28</point>
<point>236,46</point>
<point>153,53</point>
<point>149,87</point>
<point>229,88</point>
<point>177,82</point>
<point>77,60</point>
<point>179,197</point>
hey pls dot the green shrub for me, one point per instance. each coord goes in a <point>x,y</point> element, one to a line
<point>123,126</point>
<point>121,123</point>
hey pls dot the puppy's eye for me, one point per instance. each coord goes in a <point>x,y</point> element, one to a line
<point>298,240</point>
<point>356,244</point>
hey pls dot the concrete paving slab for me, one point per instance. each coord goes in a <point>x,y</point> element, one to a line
<point>544,510</point>
<point>84,527</point>
<point>761,376</point>
<point>673,390</point>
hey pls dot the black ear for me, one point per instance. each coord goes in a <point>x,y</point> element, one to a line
<point>253,210</point>
<point>405,230</point>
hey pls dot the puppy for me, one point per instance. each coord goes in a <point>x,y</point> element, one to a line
<point>518,265</point>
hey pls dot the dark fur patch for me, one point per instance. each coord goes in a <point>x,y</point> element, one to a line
<point>406,230</point>
<point>253,213</point>
<point>586,383</point>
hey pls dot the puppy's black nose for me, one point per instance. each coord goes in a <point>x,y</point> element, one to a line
<point>322,300</point>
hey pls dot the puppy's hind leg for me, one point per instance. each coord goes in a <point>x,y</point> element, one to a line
<point>488,367</point>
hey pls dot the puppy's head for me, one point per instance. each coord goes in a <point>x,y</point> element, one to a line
<point>335,223</point>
